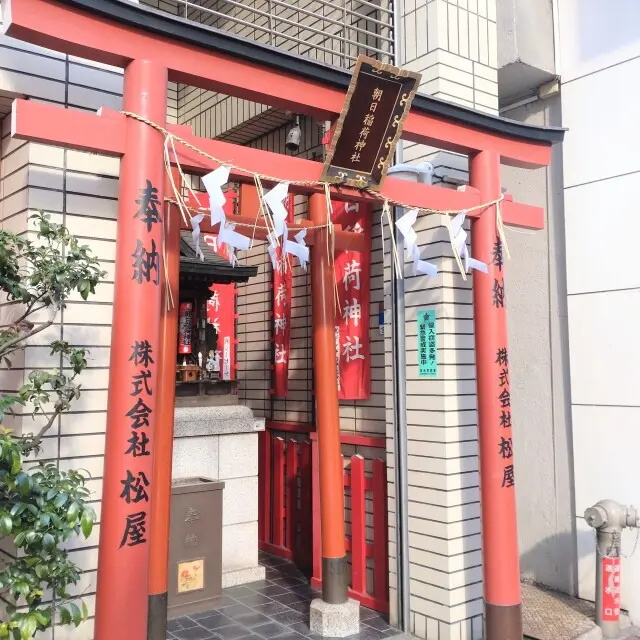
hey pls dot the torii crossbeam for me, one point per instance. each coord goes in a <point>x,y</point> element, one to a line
<point>154,48</point>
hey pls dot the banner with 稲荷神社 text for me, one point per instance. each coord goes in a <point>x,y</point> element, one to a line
<point>353,277</point>
<point>282,289</point>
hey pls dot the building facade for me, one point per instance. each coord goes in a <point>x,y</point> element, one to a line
<point>495,56</point>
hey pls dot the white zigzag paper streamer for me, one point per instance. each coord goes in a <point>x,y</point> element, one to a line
<point>298,248</point>
<point>195,234</point>
<point>213,183</point>
<point>275,201</point>
<point>405,226</point>
<point>460,240</point>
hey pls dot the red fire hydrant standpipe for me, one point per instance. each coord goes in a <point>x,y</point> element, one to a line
<point>609,518</point>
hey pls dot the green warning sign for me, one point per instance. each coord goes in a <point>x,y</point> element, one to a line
<point>427,350</point>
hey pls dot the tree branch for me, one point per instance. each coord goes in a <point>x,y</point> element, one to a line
<point>30,309</point>
<point>14,344</point>
<point>32,442</point>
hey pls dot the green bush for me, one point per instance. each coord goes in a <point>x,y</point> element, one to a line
<point>41,507</point>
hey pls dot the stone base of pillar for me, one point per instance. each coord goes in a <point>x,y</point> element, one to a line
<point>334,620</point>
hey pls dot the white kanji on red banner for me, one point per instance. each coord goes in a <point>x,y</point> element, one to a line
<point>352,275</point>
<point>282,285</point>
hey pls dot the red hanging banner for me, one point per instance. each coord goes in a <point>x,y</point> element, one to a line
<point>221,313</point>
<point>185,319</point>
<point>353,276</point>
<point>282,285</point>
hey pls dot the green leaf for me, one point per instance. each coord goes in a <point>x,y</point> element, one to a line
<point>65,616</point>
<point>41,618</point>
<point>60,500</point>
<point>19,539</point>
<point>16,462</point>
<point>85,611</point>
<point>72,512</point>
<point>86,522</point>
<point>52,493</point>
<point>17,508</point>
<point>6,524</point>
<point>48,542</point>
<point>23,482</point>
<point>44,519</point>
<point>76,613</point>
<point>29,627</point>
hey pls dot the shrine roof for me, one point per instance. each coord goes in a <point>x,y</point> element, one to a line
<point>179,29</point>
<point>214,268</point>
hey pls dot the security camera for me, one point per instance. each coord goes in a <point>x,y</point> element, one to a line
<point>293,137</point>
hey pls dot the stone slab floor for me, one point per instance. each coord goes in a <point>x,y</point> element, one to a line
<point>277,607</point>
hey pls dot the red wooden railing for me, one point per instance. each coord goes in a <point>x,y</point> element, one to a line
<point>284,506</point>
<point>369,580</point>
<point>289,498</point>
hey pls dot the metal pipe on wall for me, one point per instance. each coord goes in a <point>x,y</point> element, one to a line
<point>401,460</point>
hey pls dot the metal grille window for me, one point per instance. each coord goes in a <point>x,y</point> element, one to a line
<point>334,32</point>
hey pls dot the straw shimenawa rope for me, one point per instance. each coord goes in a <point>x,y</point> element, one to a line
<point>264,212</point>
<point>306,183</point>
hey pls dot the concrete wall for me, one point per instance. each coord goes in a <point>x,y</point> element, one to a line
<point>600,54</point>
<point>538,347</point>
<point>526,54</point>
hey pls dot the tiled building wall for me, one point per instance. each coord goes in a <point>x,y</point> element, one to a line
<point>80,191</point>
<point>453,45</point>
<point>443,497</point>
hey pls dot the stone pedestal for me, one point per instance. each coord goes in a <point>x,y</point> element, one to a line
<point>221,443</point>
<point>334,620</point>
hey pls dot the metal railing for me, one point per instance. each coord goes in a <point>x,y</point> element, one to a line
<point>331,31</point>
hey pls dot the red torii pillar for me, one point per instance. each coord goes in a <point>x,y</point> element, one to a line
<point>334,555</point>
<point>123,564</point>
<point>503,615</point>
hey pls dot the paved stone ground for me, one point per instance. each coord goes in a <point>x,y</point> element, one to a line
<point>277,607</point>
<point>549,615</point>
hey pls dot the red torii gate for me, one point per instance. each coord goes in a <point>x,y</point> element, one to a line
<point>154,48</point>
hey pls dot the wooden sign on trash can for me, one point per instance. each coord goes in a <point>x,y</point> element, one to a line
<point>369,127</point>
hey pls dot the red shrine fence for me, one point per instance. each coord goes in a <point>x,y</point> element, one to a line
<point>289,498</point>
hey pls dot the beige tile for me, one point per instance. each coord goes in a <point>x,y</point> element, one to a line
<point>483,41</point>
<point>453,60</point>
<point>87,313</point>
<point>44,199</point>
<point>453,33</point>
<point>19,84</point>
<point>486,100</point>
<point>99,207</point>
<point>93,163</point>
<point>89,184</point>
<point>93,99</point>
<point>442,21</point>
<point>96,78</point>
<point>463,31</point>
<point>474,35</point>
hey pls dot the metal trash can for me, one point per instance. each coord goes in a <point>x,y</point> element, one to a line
<point>195,545</point>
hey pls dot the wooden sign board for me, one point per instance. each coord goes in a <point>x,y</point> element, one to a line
<point>369,127</point>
